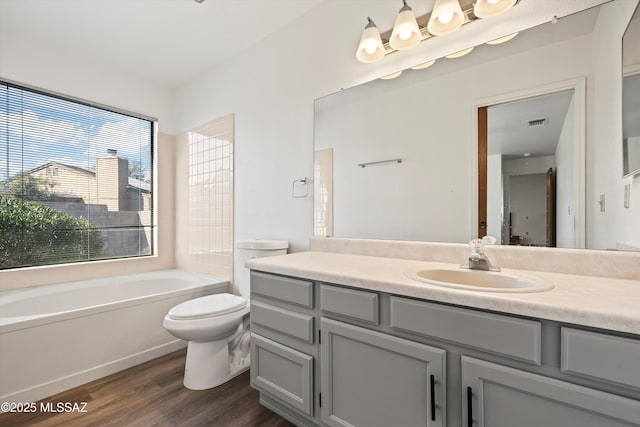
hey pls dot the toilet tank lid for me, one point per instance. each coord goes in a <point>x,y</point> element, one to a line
<point>262,244</point>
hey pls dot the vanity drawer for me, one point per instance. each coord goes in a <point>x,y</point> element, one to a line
<point>360,305</point>
<point>294,291</point>
<point>503,335</point>
<point>281,320</point>
<point>602,357</point>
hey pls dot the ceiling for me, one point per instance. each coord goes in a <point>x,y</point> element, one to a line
<point>509,130</point>
<point>170,42</point>
<point>166,41</point>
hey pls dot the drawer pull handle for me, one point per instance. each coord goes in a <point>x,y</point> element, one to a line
<point>432,388</point>
<point>469,407</point>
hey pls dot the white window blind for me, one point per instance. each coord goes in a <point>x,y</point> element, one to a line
<point>76,181</point>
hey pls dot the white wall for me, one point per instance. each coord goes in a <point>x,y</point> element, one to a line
<point>72,75</point>
<point>528,165</point>
<point>565,179</point>
<point>495,200</point>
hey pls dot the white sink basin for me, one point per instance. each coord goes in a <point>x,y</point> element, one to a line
<point>478,280</point>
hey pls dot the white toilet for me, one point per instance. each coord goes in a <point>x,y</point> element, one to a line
<point>216,326</point>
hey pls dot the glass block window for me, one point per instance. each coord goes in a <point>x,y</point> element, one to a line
<point>211,198</point>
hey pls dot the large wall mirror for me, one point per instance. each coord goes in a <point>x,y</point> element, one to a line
<point>399,159</point>
<point>631,97</point>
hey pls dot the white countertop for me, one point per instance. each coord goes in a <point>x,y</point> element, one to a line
<point>584,300</point>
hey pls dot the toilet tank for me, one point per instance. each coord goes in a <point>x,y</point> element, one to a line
<point>249,249</point>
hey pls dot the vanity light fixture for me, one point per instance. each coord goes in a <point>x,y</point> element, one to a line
<point>502,39</point>
<point>408,31</point>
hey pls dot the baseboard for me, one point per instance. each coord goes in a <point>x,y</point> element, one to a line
<point>41,391</point>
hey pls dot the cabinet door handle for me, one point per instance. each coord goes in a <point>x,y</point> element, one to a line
<point>469,407</point>
<point>432,396</point>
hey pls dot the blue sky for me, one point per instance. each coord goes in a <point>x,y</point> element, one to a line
<point>36,129</point>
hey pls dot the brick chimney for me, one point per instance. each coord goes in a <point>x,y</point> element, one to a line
<point>112,177</point>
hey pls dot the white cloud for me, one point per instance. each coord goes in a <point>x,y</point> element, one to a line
<point>41,130</point>
<point>128,136</point>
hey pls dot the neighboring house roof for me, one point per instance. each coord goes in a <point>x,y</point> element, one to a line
<point>133,183</point>
<point>75,168</point>
<point>139,185</point>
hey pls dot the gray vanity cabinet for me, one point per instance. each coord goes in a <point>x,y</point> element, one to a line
<point>331,355</point>
<point>499,396</point>
<point>374,379</point>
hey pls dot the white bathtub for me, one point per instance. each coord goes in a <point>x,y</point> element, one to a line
<point>56,337</point>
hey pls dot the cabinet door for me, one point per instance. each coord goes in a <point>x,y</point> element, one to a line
<point>371,379</point>
<point>498,396</point>
<point>282,372</point>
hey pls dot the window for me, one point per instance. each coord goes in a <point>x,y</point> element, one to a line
<point>75,180</point>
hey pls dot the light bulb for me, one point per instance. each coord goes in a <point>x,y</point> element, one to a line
<point>370,49</point>
<point>405,35</point>
<point>446,17</point>
<point>493,1</point>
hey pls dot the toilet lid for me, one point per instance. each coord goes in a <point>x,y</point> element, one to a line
<point>209,306</point>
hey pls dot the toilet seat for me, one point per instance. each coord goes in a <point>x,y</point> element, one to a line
<point>208,306</point>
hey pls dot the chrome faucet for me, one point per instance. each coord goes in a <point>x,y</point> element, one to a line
<point>478,259</point>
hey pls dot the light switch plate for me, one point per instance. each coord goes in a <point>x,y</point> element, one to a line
<point>627,195</point>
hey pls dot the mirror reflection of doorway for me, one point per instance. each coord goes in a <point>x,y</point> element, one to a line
<point>530,203</point>
<point>526,156</point>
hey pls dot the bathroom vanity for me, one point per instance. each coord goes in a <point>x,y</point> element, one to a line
<point>351,340</point>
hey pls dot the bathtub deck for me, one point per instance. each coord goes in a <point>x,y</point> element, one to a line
<point>152,394</point>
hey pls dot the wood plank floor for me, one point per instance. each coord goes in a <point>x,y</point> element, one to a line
<point>152,394</point>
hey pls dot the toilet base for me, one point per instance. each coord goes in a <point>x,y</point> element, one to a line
<point>207,365</point>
